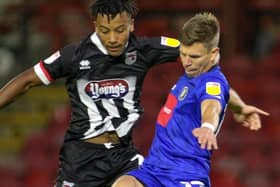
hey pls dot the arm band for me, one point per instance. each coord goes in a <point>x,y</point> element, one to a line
<point>208,125</point>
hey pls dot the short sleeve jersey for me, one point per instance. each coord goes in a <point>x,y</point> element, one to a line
<point>174,145</point>
<point>105,91</point>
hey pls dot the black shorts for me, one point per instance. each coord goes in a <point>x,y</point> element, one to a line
<point>84,164</point>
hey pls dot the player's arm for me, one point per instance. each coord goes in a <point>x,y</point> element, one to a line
<point>18,86</point>
<point>210,112</point>
<point>247,115</point>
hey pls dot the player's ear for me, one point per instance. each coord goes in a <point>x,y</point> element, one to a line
<point>215,55</point>
<point>131,29</point>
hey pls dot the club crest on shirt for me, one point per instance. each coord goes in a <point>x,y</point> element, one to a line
<point>130,57</point>
<point>184,93</point>
<point>213,88</point>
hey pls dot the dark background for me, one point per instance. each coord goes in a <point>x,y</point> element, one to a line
<point>32,129</point>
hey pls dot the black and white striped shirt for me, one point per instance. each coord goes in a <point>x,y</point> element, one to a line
<point>105,91</point>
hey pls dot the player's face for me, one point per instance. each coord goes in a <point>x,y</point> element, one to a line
<point>197,59</point>
<point>114,33</point>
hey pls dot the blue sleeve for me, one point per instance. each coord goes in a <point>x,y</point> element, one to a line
<point>212,87</point>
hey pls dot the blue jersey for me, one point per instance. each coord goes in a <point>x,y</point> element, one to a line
<point>174,147</point>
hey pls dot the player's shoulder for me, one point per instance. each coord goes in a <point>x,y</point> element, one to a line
<point>214,72</point>
<point>82,49</point>
<point>155,41</point>
<point>70,48</point>
<point>214,75</point>
<point>68,52</point>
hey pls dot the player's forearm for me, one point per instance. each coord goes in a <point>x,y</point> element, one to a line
<point>17,86</point>
<point>235,102</point>
<point>210,116</point>
<point>210,112</point>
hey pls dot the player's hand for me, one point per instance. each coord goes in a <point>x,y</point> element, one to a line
<point>250,117</point>
<point>206,138</point>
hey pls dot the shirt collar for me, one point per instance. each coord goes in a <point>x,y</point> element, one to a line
<point>95,39</point>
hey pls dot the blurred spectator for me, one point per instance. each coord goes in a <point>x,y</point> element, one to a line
<point>74,25</point>
<point>177,22</point>
<point>21,35</point>
<point>267,37</point>
<point>7,62</point>
<point>64,21</point>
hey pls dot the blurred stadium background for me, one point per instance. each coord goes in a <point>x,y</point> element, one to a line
<point>32,129</point>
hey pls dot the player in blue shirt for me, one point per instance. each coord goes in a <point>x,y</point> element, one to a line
<point>189,121</point>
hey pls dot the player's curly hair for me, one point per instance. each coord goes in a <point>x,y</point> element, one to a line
<point>113,7</point>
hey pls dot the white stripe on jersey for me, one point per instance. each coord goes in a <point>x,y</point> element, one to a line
<point>220,124</point>
<point>110,107</point>
<point>133,116</point>
<point>40,73</point>
<point>92,132</point>
<point>126,126</point>
<point>95,118</point>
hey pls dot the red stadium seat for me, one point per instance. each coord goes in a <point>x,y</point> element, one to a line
<point>152,26</point>
<point>39,178</point>
<point>10,177</point>
<point>269,65</point>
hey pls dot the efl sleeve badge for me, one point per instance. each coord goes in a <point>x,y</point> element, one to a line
<point>170,42</point>
<point>213,88</point>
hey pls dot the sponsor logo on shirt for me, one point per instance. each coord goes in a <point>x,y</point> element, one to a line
<point>130,57</point>
<point>107,89</point>
<point>170,42</point>
<point>52,58</point>
<point>213,88</point>
<point>68,184</point>
<point>166,111</point>
<point>84,64</point>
